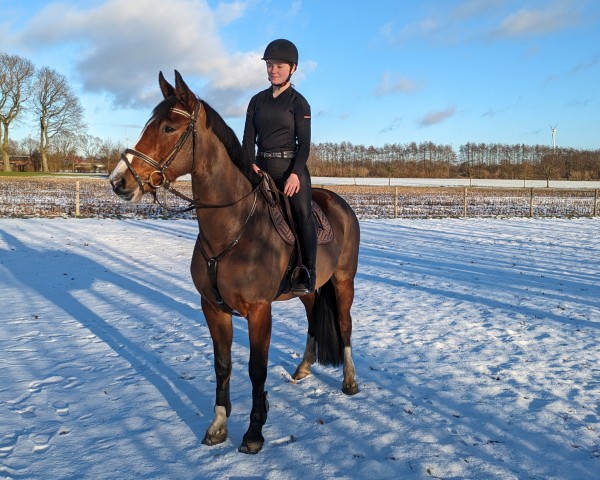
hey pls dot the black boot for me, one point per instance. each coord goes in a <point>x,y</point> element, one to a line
<point>304,277</point>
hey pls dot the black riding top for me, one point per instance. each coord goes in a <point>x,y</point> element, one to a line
<point>277,125</point>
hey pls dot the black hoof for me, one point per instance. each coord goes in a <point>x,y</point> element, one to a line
<point>350,389</point>
<point>215,438</point>
<point>252,447</point>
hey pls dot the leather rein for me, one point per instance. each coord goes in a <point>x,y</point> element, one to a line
<point>158,179</point>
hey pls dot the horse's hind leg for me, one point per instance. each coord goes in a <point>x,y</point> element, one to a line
<point>259,332</point>
<point>221,331</point>
<point>310,351</point>
<point>344,290</point>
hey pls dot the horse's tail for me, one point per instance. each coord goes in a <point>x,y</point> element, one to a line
<point>330,346</point>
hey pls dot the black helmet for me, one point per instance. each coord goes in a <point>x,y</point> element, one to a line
<point>281,49</point>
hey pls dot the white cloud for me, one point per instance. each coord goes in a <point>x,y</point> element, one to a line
<point>229,12</point>
<point>538,22</point>
<point>437,116</point>
<point>121,47</point>
<point>391,83</point>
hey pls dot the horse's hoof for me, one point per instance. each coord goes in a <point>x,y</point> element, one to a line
<point>215,438</point>
<point>300,374</point>
<point>351,389</point>
<point>251,447</point>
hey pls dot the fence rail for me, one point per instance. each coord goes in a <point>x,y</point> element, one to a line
<point>86,197</point>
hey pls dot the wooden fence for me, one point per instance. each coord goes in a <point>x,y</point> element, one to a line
<point>85,197</point>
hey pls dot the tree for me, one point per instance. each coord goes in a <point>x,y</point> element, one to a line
<point>64,150</point>
<point>58,109</point>
<point>110,153</point>
<point>16,75</point>
<point>550,167</point>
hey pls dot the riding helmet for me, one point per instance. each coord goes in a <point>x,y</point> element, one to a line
<point>281,49</point>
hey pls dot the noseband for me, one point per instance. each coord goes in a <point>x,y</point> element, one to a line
<point>157,178</point>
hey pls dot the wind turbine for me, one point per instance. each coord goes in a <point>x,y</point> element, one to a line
<point>553,129</point>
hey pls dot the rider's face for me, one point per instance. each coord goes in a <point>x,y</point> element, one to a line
<point>279,71</point>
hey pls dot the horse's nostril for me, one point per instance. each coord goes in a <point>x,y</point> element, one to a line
<point>117,185</point>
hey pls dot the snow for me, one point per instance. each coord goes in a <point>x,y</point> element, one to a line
<point>457,182</point>
<point>476,344</point>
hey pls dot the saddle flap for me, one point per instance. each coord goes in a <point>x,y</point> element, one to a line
<point>323,227</point>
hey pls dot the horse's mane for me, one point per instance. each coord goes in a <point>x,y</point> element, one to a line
<point>224,133</point>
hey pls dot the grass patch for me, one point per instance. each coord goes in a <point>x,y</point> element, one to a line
<point>51,174</point>
<point>21,174</point>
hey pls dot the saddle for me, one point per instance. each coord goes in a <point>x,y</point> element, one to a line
<point>279,210</point>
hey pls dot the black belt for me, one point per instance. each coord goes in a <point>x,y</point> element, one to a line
<point>286,154</point>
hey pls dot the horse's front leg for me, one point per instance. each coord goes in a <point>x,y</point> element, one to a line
<point>259,332</point>
<point>221,331</point>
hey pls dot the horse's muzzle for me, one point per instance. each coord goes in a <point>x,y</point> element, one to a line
<point>119,187</point>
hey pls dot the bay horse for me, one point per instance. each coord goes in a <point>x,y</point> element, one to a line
<point>239,259</point>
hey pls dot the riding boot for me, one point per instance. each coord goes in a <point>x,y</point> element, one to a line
<point>305,277</point>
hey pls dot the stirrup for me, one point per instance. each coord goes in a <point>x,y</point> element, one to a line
<point>301,281</point>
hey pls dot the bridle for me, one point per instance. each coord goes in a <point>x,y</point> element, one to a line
<point>158,178</point>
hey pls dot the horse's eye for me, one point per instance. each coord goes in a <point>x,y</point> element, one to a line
<point>168,129</point>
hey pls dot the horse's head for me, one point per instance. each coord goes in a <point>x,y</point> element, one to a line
<point>165,148</point>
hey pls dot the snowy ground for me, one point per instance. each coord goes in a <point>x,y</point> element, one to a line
<point>476,344</point>
<point>455,182</point>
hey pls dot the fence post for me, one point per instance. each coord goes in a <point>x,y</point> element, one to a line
<point>531,203</point>
<point>396,203</point>
<point>77,198</point>
<point>465,203</point>
<point>595,203</point>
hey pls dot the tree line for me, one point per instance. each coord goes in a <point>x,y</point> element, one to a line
<point>474,160</point>
<point>43,97</point>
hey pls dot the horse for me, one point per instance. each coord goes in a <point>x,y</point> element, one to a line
<point>239,261</point>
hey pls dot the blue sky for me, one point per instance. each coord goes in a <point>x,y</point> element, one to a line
<point>374,72</point>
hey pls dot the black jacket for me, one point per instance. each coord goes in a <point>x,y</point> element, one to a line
<point>278,124</point>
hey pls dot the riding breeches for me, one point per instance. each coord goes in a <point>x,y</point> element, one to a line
<point>300,203</point>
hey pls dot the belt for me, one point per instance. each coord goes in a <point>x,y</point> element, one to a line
<point>286,154</point>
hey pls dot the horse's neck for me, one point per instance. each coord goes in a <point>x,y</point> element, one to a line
<point>216,179</point>
<point>221,183</point>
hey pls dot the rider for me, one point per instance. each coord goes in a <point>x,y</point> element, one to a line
<point>278,123</point>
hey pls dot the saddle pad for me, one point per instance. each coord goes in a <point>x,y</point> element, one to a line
<point>324,230</point>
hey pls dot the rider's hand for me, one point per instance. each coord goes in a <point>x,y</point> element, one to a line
<point>255,168</point>
<point>292,185</point>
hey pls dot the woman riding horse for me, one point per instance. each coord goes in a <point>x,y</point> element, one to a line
<point>239,258</point>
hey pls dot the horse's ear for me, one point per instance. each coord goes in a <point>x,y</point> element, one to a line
<point>165,87</point>
<point>183,92</point>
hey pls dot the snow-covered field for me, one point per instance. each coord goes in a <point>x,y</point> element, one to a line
<point>455,182</point>
<point>476,344</point>
<point>28,197</point>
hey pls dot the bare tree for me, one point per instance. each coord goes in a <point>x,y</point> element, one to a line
<point>16,75</point>
<point>58,109</point>
<point>110,153</point>
<point>90,146</point>
<point>63,151</point>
